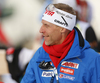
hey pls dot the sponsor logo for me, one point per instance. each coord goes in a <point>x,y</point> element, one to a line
<point>67,70</point>
<point>70,64</point>
<point>63,14</point>
<point>66,77</point>
<point>47,74</point>
<point>62,23</point>
<point>57,21</point>
<point>49,12</point>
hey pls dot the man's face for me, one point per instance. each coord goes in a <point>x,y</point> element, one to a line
<point>51,33</point>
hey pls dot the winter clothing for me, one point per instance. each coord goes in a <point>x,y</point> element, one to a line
<point>80,65</point>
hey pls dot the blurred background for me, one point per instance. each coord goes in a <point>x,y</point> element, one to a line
<point>20,21</point>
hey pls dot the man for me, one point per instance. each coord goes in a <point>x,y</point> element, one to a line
<point>65,56</point>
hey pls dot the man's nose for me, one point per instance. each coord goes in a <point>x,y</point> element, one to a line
<point>41,29</point>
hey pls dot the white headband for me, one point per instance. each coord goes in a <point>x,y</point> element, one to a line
<point>59,17</point>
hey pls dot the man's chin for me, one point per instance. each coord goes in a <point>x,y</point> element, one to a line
<point>47,43</point>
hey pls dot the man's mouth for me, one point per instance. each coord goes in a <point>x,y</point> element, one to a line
<point>45,37</point>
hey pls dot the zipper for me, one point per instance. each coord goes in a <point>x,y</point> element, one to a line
<point>55,74</point>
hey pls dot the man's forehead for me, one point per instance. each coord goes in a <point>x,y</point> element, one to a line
<point>46,22</point>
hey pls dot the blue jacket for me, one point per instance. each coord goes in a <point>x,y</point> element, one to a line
<point>81,65</point>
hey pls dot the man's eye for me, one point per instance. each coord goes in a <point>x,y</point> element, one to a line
<point>46,26</point>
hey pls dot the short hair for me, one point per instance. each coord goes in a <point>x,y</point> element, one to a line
<point>65,8</point>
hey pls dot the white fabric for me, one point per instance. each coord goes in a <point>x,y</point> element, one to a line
<point>24,57</point>
<point>6,78</point>
<point>55,17</point>
<point>10,58</point>
<point>82,26</point>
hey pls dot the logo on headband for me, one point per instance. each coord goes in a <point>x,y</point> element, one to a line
<point>63,14</point>
<point>49,12</point>
<point>62,23</point>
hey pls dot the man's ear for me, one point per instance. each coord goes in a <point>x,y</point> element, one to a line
<point>62,30</point>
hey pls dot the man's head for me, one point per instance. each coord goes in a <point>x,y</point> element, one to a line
<point>58,20</point>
